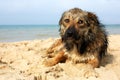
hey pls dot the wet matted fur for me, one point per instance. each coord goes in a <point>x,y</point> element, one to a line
<point>83,39</point>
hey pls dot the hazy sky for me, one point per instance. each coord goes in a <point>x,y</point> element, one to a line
<point>50,11</point>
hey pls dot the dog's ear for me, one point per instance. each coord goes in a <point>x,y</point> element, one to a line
<point>60,21</point>
<point>93,18</point>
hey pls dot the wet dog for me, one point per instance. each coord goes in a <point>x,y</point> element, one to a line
<point>83,39</point>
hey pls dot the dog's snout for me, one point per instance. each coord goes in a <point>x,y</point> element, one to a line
<point>69,34</point>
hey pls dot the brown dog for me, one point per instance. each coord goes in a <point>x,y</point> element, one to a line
<point>83,39</point>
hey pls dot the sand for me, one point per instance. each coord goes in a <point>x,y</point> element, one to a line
<point>24,61</point>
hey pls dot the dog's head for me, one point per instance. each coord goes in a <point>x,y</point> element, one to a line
<point>77,23</point>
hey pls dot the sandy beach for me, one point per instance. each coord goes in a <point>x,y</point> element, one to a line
<point>24,61</point>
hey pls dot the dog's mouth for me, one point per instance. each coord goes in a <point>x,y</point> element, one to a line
<point>68,39</point>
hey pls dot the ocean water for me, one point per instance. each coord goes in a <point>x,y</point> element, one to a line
<point>14,33</point>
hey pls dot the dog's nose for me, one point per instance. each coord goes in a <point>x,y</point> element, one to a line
<point>69,34</point>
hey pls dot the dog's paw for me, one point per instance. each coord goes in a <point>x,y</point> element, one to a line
<point>49,62</point>
<point>50,50</point>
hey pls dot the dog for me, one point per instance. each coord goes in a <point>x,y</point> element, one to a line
<point>83,39</point>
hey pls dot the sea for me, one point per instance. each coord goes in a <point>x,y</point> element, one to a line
<point>15,33</point>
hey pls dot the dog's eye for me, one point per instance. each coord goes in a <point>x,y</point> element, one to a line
<point>80,22</point>
<point>67,20</point>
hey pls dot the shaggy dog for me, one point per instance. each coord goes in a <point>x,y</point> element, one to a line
<point>83,39</point>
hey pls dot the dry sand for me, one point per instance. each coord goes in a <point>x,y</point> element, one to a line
<point>24,61</point>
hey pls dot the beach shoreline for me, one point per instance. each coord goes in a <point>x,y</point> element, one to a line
<point>23,60</point>
<point>13,33</point>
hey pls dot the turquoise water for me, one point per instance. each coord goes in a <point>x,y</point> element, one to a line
<point>113,29</point>
<point>13,33</point>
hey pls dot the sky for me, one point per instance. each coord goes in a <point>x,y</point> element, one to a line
<point>36,12</point>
